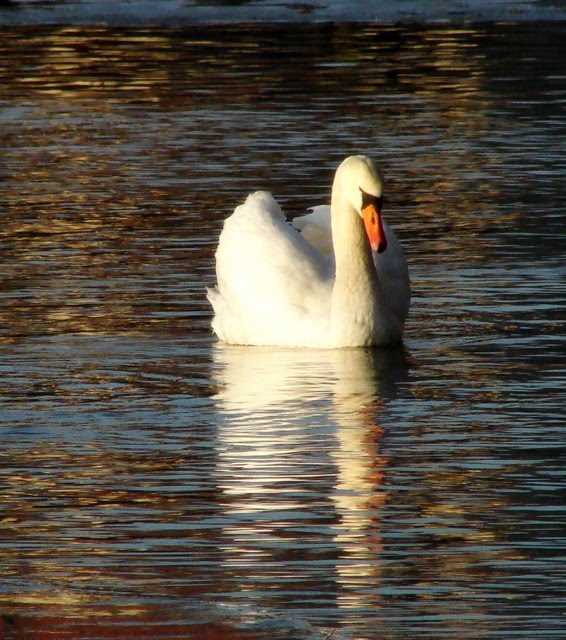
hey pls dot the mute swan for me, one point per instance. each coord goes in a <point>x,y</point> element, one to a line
<point>277,285</point>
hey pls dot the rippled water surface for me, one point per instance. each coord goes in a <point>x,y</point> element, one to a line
<point>156,484</point>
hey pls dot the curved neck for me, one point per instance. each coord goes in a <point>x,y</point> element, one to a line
<point>349,238</point>
<point>356,287</point>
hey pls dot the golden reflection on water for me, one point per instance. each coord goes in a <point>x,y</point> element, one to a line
<point>87,168</point>
<point>116,134</point>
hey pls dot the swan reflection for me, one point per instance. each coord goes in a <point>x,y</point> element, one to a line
<point>300,469</point>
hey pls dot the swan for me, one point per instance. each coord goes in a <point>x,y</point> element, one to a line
<point>334,278</point>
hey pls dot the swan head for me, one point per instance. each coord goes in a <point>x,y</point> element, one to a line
<point>360,182</point>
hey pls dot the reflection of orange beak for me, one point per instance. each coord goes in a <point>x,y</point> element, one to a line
<point>374,229</point>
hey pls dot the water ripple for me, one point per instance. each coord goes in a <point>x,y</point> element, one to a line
<point>157,484</point>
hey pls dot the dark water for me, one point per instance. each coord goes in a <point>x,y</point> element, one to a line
<point>158,485</point>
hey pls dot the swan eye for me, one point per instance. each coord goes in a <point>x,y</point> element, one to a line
<point>369,199</point>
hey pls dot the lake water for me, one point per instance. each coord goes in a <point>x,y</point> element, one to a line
<point>156,484</point>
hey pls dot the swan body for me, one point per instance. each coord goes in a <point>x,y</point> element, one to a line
<point>337,278</point>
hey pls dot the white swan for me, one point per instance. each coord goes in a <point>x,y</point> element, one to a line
<point>277,285</point>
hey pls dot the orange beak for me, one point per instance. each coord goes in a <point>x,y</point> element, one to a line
<point>374,228</point>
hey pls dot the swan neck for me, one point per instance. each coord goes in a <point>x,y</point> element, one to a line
<point>356,292</point>
<point>351,247</point>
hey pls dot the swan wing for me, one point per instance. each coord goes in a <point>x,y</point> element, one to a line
<point>315,228</point>
<point>272,283</point>
<point>393,275</point>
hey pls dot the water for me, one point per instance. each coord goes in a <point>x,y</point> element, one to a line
<point>159,485</point>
